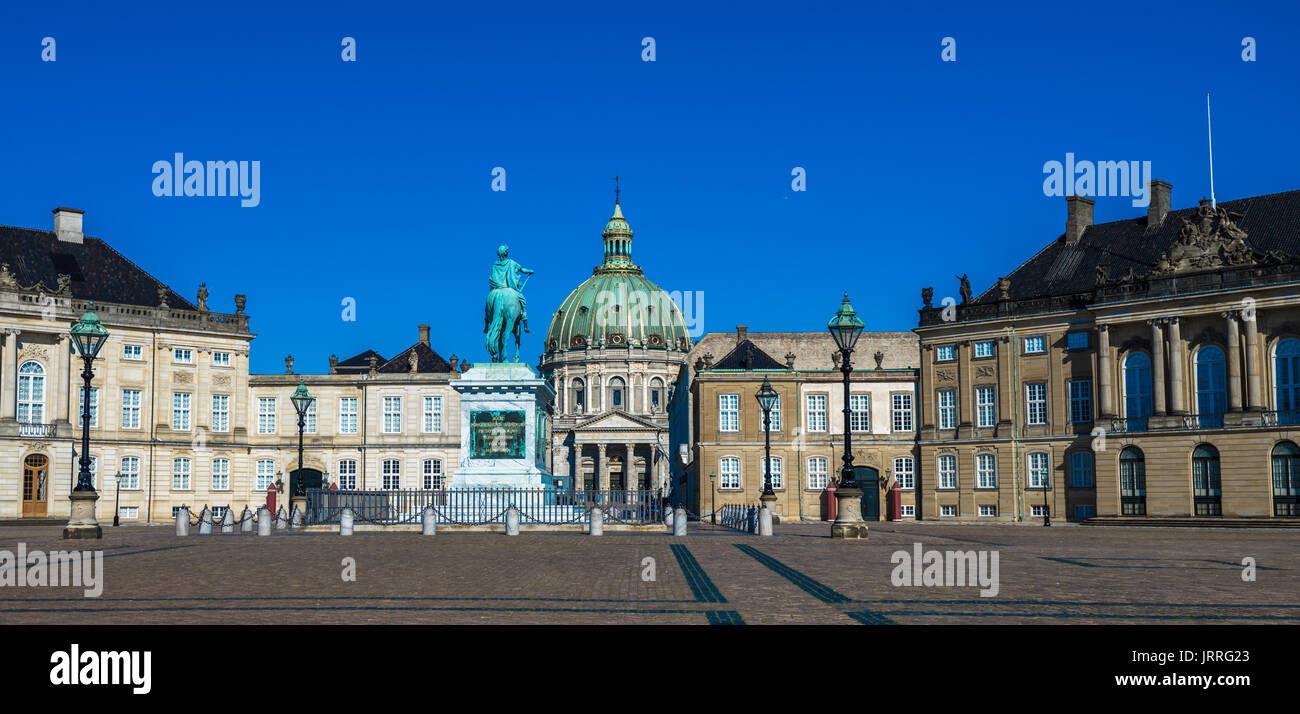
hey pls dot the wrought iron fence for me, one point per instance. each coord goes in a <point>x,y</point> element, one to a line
<point>741,518</point>
<point>481,506</point>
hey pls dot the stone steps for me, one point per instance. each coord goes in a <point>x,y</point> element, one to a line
<point>1189,522</point>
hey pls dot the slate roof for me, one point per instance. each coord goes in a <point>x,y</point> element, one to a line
<point>735,359</point>
<point>426,361</point>
<point>1271,223</point>
<point>98,271</point>
<point>358,363</point>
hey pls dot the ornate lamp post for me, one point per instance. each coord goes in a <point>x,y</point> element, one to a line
<point>1047,509</point>
<point>89,336</point>
<point>767,397</point>
<point>302,401</point>
<point>117,500</point>
<point>713,488</point>
<point>846,327</point>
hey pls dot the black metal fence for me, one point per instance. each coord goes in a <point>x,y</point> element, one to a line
<point>481,506</point>
<point>741,518</point>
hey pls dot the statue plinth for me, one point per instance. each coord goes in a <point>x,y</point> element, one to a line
<point>503,408</point>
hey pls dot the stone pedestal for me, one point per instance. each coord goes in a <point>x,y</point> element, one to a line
<point>848,523</point>
<point>81,522</point>
<point>503,409</point>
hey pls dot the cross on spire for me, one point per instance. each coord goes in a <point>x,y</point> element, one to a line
<point>616,179</point>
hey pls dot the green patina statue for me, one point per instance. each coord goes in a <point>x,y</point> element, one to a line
<point>506,310</point>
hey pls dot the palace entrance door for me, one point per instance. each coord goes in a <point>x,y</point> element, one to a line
<point>36,471</point>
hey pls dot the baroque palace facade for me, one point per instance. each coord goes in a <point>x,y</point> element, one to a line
<point>719,419</point>
<point>174,409</point>
<point>1142,368</point>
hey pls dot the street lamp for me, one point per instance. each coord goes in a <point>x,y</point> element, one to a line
<point>117,500</point>
<point>302,401</point>
<point>767,397</point>
<point>89,337</point>
<point>713,507</point>
<point>846,327</point>
<point>1047,510</point>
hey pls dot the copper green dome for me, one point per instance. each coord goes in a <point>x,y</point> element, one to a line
<point>618,306</point>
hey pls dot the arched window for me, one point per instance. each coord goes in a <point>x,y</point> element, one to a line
<point>1211,387</point>
<point>1132,482</point>
<point>656,394</point>
<point>1286,479</point>
<point>616,393</point>
<point>1206,493</point>
<point>31,393</point>
<point>579,396</point>
<point>1286,378</point>
<point>1137,390</point>
<point>947,467</point>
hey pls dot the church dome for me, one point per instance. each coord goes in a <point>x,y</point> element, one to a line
<point>617,306</point>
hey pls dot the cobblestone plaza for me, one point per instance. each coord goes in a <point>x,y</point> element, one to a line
<point>1060,575</point>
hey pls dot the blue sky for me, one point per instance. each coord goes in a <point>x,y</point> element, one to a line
<point>376,175</point>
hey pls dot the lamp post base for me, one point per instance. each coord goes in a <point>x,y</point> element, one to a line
<point>81,522</point>
<point>848,523</point>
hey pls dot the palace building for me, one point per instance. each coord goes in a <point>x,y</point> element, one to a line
<point>174,409</point>
<point>1142,368</point>
<point>614,348</point>
<point>722,423</point>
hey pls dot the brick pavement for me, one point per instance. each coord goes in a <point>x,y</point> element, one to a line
<point>1062,574</point>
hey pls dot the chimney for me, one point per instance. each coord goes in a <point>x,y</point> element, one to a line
<point>1162,195</point>
<point>740,333</point>
<point>424,335</point>
<point>1078,218</point>
<point>67,224</point>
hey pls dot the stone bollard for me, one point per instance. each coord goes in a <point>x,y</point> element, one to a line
<point>597,521</point>
<point>205,522</point>
<point>679,522</point>
<point>297,517</point>
<point>429,522</point>
<point>668,518</point>
<point>345,522</point>
<point>280,521</point>
<point>765,521</point>
<point>246,520</point>
<point>183,521</point>
<point>264,521</point>
<point>228,522</point>
<point>512,521</point>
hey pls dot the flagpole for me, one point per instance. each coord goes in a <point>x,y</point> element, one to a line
<point>1209,132</point>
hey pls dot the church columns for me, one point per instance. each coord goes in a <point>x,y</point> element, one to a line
<point>1234,362</point>
<point>629,467</point>
<point>602,469</point>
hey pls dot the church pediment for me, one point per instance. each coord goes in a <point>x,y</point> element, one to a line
<point>621,421</point>
<point>1209,239</point>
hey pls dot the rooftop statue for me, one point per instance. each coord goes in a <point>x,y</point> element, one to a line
<point>506,310</point>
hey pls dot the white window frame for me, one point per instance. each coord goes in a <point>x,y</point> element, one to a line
<point>945,353</point>
<point>181,411</point>
<point>778,479</point>
<point>817,405</point>
<point>986,412</point>
<point>948,511</point>
<point>1038,466</point>
<point>729,479</point>
<point>221,474</point>
<point>131,400</point>
<point>31,394</point>
<point>266,415</point>
<point>947,412</point>
<point>347,474</point>
<point>986,470</point>
<point>819,470</point>
<point>1035,407</point>
<point>860,416</point>
<point>182,471</point>
<point>221,359</point>
<point>182,355</point>
<point>94,405</point>
<point>348,419</point>
<point>774,415</point>
<point>905,473</point>
<point>130,470</point>
<point>945,466</point>
<point>907,510</point>
<point>1036,345</point>
<point>132,352</point>
<point>432,421</point>
<point>392,423</point>
<point>729,412</point>
<point>309,420</point>
<point>434,478</point>
<point>988,511</point>
<point>979,346</point>
<point>220,413</point>
<point>391,469</point>
<point>902,420</point>
<point>265,474</point>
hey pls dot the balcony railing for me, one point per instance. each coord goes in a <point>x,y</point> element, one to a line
<point>1129,426</point>
<point>1282,418</point>
<point>1203,421</point>
<point>38,431</point>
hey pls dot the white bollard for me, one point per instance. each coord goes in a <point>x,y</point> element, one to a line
<point>345,522</point>
<point>597,521</point>
<point>297,517</point>
<point>246,520</point>
<point>668,518</point>
<point>280,521</point>
<point>205,522</point>
<point>512,521</point>
<point>264,521</point>
<point>228,521</point>
<point>429,522</point>
<point>765,521</point>
<point>183,521</point>
<point>679,522</point>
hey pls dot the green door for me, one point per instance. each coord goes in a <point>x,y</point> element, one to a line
<point>869,481</point>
